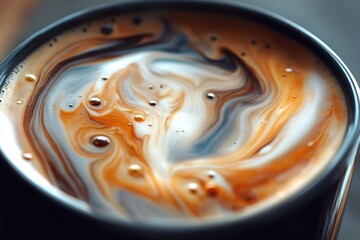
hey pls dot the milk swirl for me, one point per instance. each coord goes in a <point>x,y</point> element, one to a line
<point>168,116</point>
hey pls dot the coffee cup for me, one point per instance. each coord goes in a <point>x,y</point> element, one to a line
<point>58,89</point>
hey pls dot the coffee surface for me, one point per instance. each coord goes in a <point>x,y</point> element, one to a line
<point>176,115</point>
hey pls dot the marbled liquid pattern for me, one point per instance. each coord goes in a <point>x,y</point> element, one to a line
<point>177,115</point>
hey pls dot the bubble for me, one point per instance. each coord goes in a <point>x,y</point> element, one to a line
<point>211,174</point>
<point>30,77</point>
<point>294,96</point>
<point>129,124</point>
<point>27,156</point>
<point>107,29</point>
<point>100,141</point>
<point>310,144</point>
<point>71,105</point>
<point>249,195</point>
<point>95,101</point>
<point>193,187</point>
<point>151,87</point>
<point>135,170</point>
<point>210,96</point>
<point>139,118</point>
<point>289,70</point>
<point>19,102</point>
<point>211,189</point>
<point>213,38</point>
<point>152,103</point>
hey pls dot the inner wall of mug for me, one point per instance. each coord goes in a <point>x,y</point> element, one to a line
<point>281,25</point>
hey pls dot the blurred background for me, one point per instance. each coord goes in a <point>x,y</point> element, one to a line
<point>333,21</point>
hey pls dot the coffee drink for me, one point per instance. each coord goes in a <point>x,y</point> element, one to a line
<point>173,115</point>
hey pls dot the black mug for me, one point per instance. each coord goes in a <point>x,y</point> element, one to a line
<point>28,210</point>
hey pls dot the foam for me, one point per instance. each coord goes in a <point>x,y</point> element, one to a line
<point>272,99</point>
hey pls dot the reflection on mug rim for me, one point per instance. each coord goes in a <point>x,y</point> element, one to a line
<point>278,23</point>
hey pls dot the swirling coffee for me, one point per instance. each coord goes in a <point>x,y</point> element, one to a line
<point>173,115</point>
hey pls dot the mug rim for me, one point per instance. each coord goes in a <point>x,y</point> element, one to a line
<point>321,181</point>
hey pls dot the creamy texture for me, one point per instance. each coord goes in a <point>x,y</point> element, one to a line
<point>174,115</point>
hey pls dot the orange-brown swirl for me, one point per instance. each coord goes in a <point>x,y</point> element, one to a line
<point>176,115</point>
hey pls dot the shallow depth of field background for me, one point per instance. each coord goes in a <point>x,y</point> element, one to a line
<point>333,21</point>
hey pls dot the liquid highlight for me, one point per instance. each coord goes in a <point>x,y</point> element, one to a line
<point>174,115</point>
